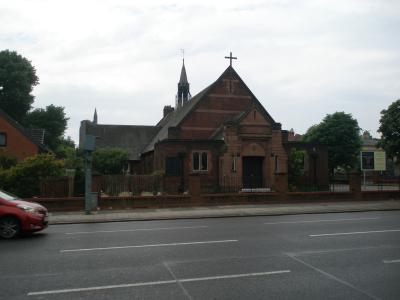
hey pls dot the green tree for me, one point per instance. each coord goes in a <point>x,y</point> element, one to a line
<point>340,132</point>
<point>17,79</point>
<point>296,165</point>
<point>65,147</point>
<point>24,179</point>
<point>52,120</point>
<point>390,130</point>
<point>74,158</point>
<point>110,160</point>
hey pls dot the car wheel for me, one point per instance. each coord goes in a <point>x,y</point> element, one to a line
<point>9,227</point>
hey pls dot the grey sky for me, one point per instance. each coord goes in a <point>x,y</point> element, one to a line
<point>302,59</point>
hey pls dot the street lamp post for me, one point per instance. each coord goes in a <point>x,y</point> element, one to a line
<point>88,149</point>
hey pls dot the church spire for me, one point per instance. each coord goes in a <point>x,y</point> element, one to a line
<point>183,78</point>
<point>183,95</point>
<point>95,117</point>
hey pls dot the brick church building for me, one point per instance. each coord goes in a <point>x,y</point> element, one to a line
<point>223,134</point>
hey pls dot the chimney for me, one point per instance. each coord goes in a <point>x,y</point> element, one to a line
<point>291,135</point>
<point>167,109</point>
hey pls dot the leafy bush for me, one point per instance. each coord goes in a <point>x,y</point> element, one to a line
<point>24,179</point>
<point>296,165</point>
<point>7,162</point>
<point>109,161</point>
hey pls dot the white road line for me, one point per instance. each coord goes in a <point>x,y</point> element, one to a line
<point>355,232</point>
<point>98,288</point>
<point>151,245</point>
<point>234,276</point>
<point>185,291</point>
<point>391,261</point>
<point>318,221</point>
<point>140,284</point>
<point>328,251</point>
<point>334,278</point>
<point>138,229</point>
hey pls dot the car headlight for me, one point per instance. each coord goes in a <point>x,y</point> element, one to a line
<point>27,208</point>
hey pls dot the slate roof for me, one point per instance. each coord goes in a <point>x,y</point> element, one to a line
<point>165,119</point>
<point>174,118</point>
<point>133,138</point>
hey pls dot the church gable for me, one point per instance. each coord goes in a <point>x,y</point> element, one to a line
<point>254,123</point>
<point>254,117</point>
<point>227,98</point>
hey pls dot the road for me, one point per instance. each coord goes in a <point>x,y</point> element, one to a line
<point>318,256</point>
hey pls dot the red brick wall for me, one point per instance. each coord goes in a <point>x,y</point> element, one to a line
<point>105,203</point>
<point>146,165</point>
<point>209,178</point>
<point>18,145</point>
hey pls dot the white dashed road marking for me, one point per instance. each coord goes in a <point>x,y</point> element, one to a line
<point>138,229</point>
<point>320,221</point>
<point>391,261</point>
<point>151,283</point>
<point>355,232</point>
<point>150,245</point>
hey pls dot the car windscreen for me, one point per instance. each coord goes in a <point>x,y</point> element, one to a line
<point>7,196</point>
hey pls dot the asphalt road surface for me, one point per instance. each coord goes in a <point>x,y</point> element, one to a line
<point>319,256</point>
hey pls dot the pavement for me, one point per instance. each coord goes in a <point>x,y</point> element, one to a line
<point>221,211</point>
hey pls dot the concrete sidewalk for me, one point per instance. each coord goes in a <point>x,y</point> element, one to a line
<point>221,211</point>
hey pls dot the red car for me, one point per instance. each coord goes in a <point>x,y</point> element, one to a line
<point>18,216</point>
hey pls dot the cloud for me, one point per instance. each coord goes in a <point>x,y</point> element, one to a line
<point>302,59</point>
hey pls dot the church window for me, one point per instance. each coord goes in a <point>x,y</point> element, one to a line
<point>234,163</point>
<point>172,166</point>
<point>196,161</point>
<point>254,114</point>
<point>204,162</point>
<point>3,139</point>
<point>200,161</point>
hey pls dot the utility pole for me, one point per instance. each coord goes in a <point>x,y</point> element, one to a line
<point>88,149</point>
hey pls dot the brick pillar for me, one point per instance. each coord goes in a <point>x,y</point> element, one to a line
<point>71,180</point>
<point>281,185</point>
<point>194,186</point>
<point>70,186</point>
<point>355,184</point>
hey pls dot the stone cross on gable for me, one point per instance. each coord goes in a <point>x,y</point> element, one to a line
<point>230,57</point>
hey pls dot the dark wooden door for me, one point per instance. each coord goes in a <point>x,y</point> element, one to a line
<point>252,172</point>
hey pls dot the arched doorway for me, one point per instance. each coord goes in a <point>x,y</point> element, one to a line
<point>252,172</point>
